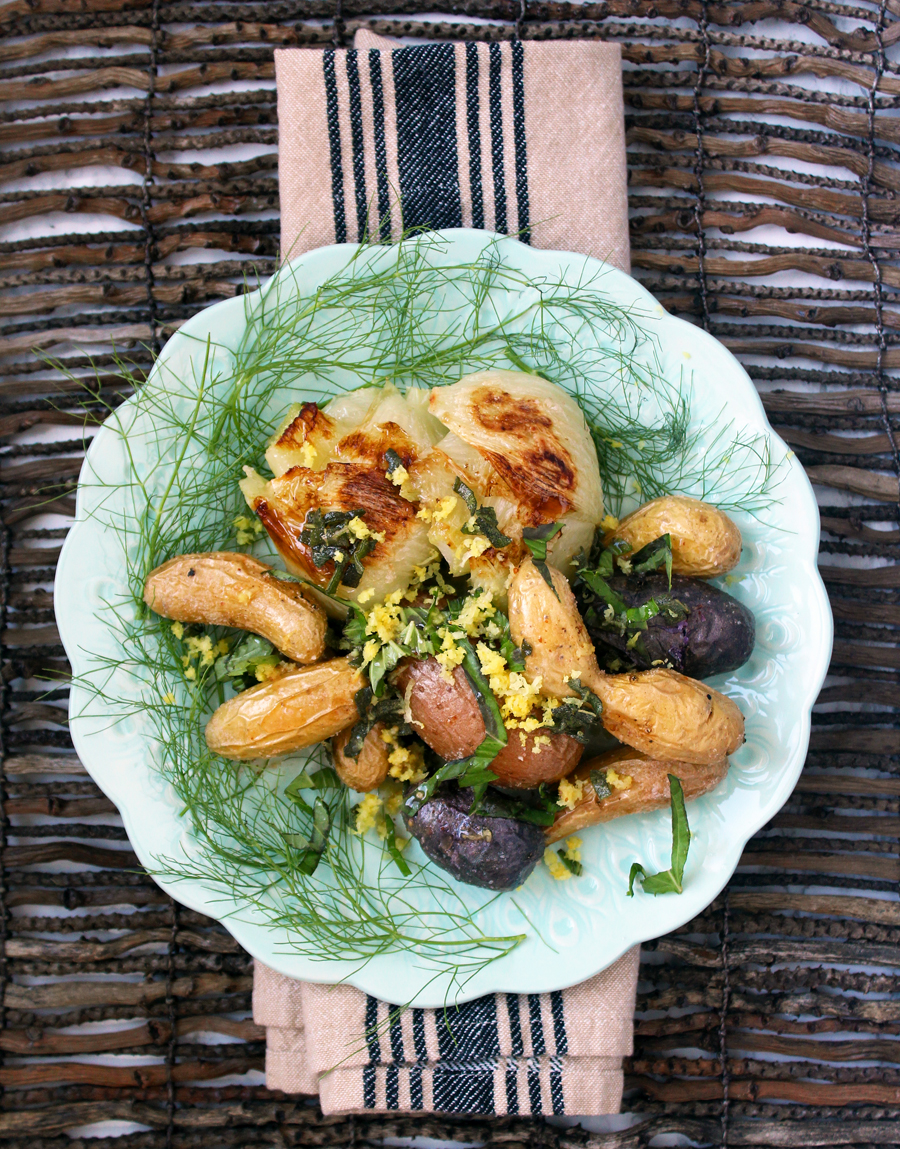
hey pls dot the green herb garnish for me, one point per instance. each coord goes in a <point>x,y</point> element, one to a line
<point>669,881</point>
<point>601,787</point>
<point>536,539</point>
<point>484,518</point>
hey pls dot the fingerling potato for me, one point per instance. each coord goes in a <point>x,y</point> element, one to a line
<point>367,771</point>
<point>666,715</point>
<point>553,628</point>
<point>225,589</point>
<point>705,542</point>
<point>298,709</point>
<point>494,853</point>
<point>445,715</point>
<point>649,788</point>
<point>528,759</point>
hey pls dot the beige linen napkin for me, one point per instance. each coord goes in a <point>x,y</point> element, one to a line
<point>524,139</point>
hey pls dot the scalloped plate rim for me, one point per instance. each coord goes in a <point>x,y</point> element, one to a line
<point>196,896</point>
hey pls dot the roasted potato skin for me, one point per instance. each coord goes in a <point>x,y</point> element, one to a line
<point>298,709</point>
<point>494,853</point>
<point>226,589</point>
<point>445,715</point>
<point>553,628</point>
<point>705,542</point>
<point>370,769</point>
<point>717,636</point>
<point>649,789</point>
<point>524,763</point>
<point>667,715</point>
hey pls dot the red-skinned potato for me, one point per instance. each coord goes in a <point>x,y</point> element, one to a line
<point>649,788</point>
<point>446,716</point>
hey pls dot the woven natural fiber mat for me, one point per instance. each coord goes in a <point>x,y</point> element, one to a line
<point>138,184</point>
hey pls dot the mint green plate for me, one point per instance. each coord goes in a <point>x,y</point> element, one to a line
<point>575,928</point>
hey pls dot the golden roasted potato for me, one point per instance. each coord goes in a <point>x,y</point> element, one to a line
<point>666,715</point>
<point>528,759</point>
<point>225,589</point>
<point>445,715</point>
<point>298,709</point>
<point>559,641</point>
<point>649,788</point>
<point>370,769</point>
<point>705,542</point>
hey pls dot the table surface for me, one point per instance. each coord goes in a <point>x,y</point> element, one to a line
<point>140,183</point>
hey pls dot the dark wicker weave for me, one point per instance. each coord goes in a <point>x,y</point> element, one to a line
<point>760,1001</point>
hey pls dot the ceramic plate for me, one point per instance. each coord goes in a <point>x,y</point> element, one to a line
<point>575,928</point>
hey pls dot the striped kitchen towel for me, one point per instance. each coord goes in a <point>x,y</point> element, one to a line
<point>528,140</point>
<point>525,139</point>
<point>552,1053</point>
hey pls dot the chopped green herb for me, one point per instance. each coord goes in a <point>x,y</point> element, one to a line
<point>669,881</point>
<point>602,788</point>
<point>393,461</point>
<point>571,865</point>
<point>485,518</point>
<point>536,539</point>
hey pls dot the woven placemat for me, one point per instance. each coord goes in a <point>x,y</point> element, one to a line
<point>763,174</point>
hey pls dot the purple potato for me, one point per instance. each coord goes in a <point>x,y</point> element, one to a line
<point>716,635</point>
<point>494,853</point>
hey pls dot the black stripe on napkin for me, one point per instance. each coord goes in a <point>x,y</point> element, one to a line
<point>334,144</point>
<point>534,1087</point>
<point>374,1047</point>
<point>538,1045</point>
<point>377,85</point>
<point>496,118</point>
<point>474,133</point>
<point>425,93</point>
<point>356,141</point>
<point>518,88</point>
<point>556,1086</point>
<point>559,1022</point>
<point>416,1098</point>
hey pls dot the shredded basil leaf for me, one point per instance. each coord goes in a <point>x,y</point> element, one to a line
<point>536,539</point>
<point>571,865</point>
<point>485,517</point>
<point>654,555</point>
<point>602,788</point>
<point>669,881</point>
<point>393,461</point>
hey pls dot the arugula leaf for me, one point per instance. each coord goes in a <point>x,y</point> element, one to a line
<point>602,788</point>
<point>536,539</point>
<point>669,881</point>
